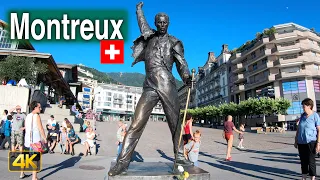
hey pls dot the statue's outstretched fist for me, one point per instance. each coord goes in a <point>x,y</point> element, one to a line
<point>139,5</point>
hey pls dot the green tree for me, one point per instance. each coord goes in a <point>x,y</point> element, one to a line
<point>282,105</point>
<point>17,67</point>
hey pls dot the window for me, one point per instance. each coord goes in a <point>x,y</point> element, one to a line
<point>253,55</point>
<point>255,66</point>
<point>223,82</point>
<point>5,41</point>
<point>230,67</point>
<point>264,61</point>
<point>221,61</point>
<point>316,67</point>
<point>266,73</point>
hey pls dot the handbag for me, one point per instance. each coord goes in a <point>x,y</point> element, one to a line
<point>37,146</point>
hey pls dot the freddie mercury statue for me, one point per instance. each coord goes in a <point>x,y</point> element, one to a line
<point>159,51</point>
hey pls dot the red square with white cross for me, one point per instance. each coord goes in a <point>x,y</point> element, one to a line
<point>112,51</point>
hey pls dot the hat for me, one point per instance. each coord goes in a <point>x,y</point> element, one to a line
<point>52,116</point>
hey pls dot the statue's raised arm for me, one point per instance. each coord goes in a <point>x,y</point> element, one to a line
<point>145,29</point>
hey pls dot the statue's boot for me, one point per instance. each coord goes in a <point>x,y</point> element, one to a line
<point>119,168</point>
<point>182,161</point>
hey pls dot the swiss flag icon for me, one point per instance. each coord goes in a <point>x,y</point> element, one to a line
<point>112,51</point>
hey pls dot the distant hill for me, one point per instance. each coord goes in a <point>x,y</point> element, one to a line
<point>98,75</point>
<point>133,79</point>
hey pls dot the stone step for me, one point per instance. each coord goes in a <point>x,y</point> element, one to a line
<point>57,117</point>
<point>78,148</point>
<point>56,106</point>
<point>57,111</point>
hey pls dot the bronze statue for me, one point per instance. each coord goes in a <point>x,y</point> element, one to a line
<point>159,51</point>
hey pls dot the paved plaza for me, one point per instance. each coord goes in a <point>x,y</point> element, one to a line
<point>265,157</point>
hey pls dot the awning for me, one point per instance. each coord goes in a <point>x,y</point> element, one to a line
<point>53,77</point>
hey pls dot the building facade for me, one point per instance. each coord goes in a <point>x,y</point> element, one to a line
<point>117,102</point>
<point>284,61</point>
<point>212,80</point>
<point>85,98</point>
<point>88,81</point>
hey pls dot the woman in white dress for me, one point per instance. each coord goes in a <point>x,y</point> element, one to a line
<point>34,129</point>
<point>89,143</point>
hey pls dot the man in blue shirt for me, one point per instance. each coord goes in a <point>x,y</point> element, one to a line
<point>7,132</point>
<point>307,140</point>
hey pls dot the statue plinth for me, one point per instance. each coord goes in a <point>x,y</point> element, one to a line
<point>158,171</point>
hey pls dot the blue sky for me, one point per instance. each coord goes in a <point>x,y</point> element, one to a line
<point>202,25</point>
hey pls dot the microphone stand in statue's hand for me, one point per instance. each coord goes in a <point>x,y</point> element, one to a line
<point>185,114</point>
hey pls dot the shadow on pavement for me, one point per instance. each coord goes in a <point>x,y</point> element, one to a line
<point>264,152</point>
<point>281,143</point>
<point>163,155</point>
<point>63,165</point>
<point>278,159</point>
<point>137,157</point>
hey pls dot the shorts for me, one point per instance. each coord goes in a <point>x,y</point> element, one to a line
<point>17,138</point>
<point>241,136</point>
<point>52,138</point>
<point>186,137</point>
<point>227,136</point>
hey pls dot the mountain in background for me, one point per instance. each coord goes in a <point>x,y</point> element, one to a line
<point>98,75</point>
<point>133,79</point>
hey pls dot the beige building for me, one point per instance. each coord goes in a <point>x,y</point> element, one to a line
<point>282,62</point>
<point>212,79</point>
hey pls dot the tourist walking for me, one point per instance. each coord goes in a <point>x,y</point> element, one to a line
<point>307,139</point>
<point>34,132</point>
<point>241,128</point>
<point>228,135</point>
<point>188,135</point>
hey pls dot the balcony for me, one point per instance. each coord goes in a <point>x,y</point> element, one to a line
<point>260,68</point>
<point>238,67</point>
<point>238,78</point>
<point>238,88</point>
<point>117,102</point>
<point>255,46</point>
<point>237,57</point>
<point>264,80</point>
<point>301,73</point>
<point>295,61</point>
<point>258,57</point>
<point>296,34</point>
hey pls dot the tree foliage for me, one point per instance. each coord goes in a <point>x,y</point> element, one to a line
<point>252,106</point>
<point>17,67</point>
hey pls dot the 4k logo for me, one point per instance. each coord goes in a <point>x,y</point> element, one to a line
<point>112,51</point>
<point>24,161</point>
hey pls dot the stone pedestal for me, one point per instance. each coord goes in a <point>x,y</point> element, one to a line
<point>158,171</point>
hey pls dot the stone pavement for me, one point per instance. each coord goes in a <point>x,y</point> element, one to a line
<point>266,157</point>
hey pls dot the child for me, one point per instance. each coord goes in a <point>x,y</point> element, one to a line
<point>240,146</point>
<point>53,137</point>
<point>63,140</point>
<point>7,132</point>
<point>193,147</point>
